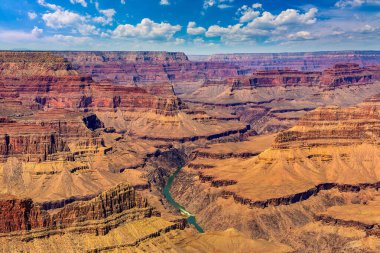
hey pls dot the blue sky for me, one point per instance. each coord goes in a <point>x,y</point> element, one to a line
<point>195,27</point>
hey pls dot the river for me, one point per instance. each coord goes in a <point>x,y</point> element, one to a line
<point>191,218</point>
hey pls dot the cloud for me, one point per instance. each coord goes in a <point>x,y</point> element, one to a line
<point>86,29</point>
<point>301,35</point>
<point>147,29</point>
<point>32,15</point>
<point>101,20</point>
<point>221,4</point>
<point>15,35</point>
<point>355,3</point>
<point>65,39</point>
<point>179,41</point>
<point>37,32</point>
<point>50,6</point>
<point>287,17</point>
<point>164,2</point>
<point>257,5</point>
<point>122,1</point>
<point>62,18</point>
<point>192,29</point>
<point>224,6</point>
<point>198,41</point>
<point>234,32</point>
<point>264,26</point>
<point>248,13</point>
<point>108,15</point>
<point>367,29</point>
<point>82,2</point>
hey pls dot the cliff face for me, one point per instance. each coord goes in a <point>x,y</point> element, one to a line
<point>24,215</point>
<point>145,67</point>
<point>45,134</point>
<point>310,61</point>
<point>73,125</point>
<point>60,131</point>
<point>46,80</point>
<point>327,161</point>
<point>346,74</point>
<point>336,76</point>
<point>273,100</point>
<point>334,125</point>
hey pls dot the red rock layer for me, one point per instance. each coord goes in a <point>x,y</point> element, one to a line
<point>345,125</point>
<point>342,74</point>
<point>45,80</point>
<point>18,215</point>
<point>39,139</point>
<point>146,67</point>
<point>338,75</point>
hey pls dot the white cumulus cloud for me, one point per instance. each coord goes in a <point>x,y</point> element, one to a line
<point>301,35</point>
<point>82,2</point>
<point>192,29</point>
<point>264,26</point>
<point>107,17</point>
<point>62,18</point>
<point>248,13</point>
<point>86,29</point>
<point>147,29</point>
<point>50,6</point>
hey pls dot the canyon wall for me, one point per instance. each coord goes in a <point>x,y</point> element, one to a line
<point>308,61</point>
<point>73,125</point>
<point>338,75</point>
<point>24,214</point>
<point>145,67</point>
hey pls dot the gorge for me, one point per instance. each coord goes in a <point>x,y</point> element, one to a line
<point>163,152</point>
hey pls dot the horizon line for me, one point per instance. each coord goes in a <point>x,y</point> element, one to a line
<point>164,51</point>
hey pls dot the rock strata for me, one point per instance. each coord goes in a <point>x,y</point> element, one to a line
<point>24,214</point>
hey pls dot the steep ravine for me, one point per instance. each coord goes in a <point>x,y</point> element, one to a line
<point>191,218</point>
<point>163,167</point>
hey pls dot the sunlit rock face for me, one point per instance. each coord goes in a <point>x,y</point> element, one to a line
<point>88,141</point>
<point>319,175</point>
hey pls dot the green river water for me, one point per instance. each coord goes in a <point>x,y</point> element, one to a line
<point>191,218</point>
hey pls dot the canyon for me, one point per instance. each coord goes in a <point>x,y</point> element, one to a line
<point>269,152</point>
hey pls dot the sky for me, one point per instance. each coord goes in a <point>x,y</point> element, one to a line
<point>193,27</point>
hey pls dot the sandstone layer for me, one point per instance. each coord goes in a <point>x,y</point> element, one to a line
<point>88,141</point>
<point>326,164</point>
<point>274,100</point>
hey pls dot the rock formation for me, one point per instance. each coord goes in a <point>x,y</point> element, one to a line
<point>330,157</point>
<point>23,214</point>
<point>145,67</point>
<point>309,61</point>
<point>88,141</point>
<point>338,75</point>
